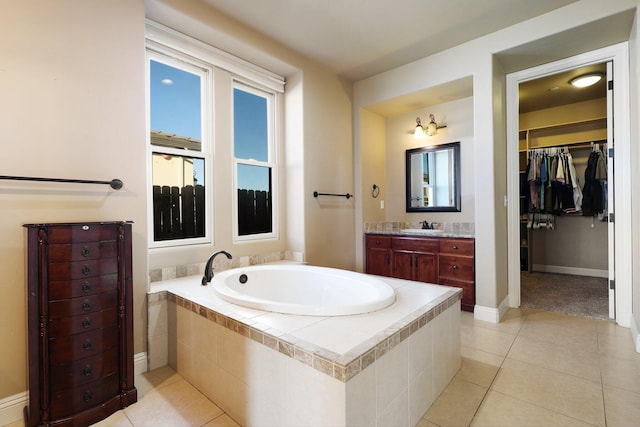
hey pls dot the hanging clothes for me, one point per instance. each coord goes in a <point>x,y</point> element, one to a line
<point>552,183</point>
<point>595,183</point>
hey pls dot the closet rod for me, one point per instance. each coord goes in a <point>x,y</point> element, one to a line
<point>116,184</point>
<point>570,145</point>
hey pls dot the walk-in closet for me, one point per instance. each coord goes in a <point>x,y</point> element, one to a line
<point>564,197</point>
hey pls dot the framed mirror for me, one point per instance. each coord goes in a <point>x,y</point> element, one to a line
<point>433,178</point>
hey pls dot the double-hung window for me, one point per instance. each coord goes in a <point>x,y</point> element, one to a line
<point>254,162</point>
<point>179,149</point>
<point>180,100</point>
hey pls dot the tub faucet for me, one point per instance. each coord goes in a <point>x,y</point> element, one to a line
<point>208,269</point>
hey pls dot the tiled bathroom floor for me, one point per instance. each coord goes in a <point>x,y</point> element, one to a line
<point>533,369</point>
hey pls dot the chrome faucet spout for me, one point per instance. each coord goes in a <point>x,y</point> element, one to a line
<point>208,269</point>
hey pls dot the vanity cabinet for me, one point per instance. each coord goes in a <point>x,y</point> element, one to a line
<point>456,267</point>
<point>415,259</point>
<point>378,255</point>
<point>80,322</point>
<point>440,260</point>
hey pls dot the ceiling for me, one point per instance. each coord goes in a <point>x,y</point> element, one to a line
<point>555,90</point>
<point>360,38</point>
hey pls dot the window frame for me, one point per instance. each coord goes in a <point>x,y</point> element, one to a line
<point>182,47</point>
<point>166,56</point>
<point>271,163</point>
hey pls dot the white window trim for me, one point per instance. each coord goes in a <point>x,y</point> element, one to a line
<point>158,34</point>
<point>271,163</point>
<point>166,56</point>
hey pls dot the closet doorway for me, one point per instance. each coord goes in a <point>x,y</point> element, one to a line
<point>553,243</point>
<point>564,216</point>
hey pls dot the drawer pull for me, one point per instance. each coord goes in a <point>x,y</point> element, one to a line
<point>86,287</point>
<point>87,345</point>
<point>377,242</point>
<point>86,323</point>
<point>87,397</point>
<point>455,248</point>
<point>86,371</point>
<point>86,306</point>
<point>85,269</point>
<point>85,251</point>
<point>455,267</point>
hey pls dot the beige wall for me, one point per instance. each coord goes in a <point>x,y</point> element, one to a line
<point>72,84</point>
<point>374,166</point>
<point>316,153</point>
<point>73,78</point>
<point>458,115</point>
<point>523,45</point>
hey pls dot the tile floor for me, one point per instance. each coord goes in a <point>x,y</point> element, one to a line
<point>535,368</point>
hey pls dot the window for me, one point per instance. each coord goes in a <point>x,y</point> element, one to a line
<point>181,96</point>
<point>254,162</point>
<point>178,150</point>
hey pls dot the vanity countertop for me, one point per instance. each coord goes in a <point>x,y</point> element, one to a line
<point>416,232</point>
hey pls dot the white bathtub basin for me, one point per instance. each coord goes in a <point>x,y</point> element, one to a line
<point>303,289</point>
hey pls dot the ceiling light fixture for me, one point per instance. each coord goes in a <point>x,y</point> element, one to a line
<point>429,130</point>
<point>586,80</point>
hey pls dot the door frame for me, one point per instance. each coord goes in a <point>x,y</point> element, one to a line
<point>619,55</point>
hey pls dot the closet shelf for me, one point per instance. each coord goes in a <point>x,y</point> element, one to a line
<point>574,123</point>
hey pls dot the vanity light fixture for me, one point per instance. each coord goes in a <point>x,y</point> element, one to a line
<point>429,130</point>
<point>586,80</point>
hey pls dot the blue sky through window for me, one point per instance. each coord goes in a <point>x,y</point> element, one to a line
<point>175,101</point>
<point>175,108</point>
<point>251,139</point>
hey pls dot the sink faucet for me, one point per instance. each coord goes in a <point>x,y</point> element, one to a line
<point>427,226</point>
<point>208,269</point>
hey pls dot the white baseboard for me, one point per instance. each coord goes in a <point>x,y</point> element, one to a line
<point>140,363</point>
<point>486,314</point>
<point>635,333</point>
<point>574,271</point>
<point>12,407</point>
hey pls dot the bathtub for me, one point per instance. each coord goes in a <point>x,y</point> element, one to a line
<point>303,290</point>
<point>265,368</point>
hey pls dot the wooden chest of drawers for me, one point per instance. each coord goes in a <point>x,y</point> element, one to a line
<point>80,322</point>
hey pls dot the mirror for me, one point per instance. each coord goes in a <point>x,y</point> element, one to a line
<point>433,178</point>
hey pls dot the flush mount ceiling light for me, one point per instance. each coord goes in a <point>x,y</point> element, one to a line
<point>586,80</point>
<point>429,130</point>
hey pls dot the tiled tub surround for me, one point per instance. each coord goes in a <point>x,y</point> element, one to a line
<point>449,229</point>
<point>376,369</point>
<point>221,263</point>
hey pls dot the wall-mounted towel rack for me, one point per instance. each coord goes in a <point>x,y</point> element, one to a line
<point>347,195</point>
<point>116,184</point>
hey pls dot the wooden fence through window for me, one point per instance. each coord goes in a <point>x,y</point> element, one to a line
<point>178,213</point>
<point>254,212</point>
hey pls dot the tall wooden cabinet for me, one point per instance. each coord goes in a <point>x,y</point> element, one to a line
<point>80,322</point>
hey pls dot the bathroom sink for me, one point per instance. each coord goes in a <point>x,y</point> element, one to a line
<point>421,231</point>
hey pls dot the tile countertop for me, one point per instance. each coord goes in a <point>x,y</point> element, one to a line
<point>420,233</point>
